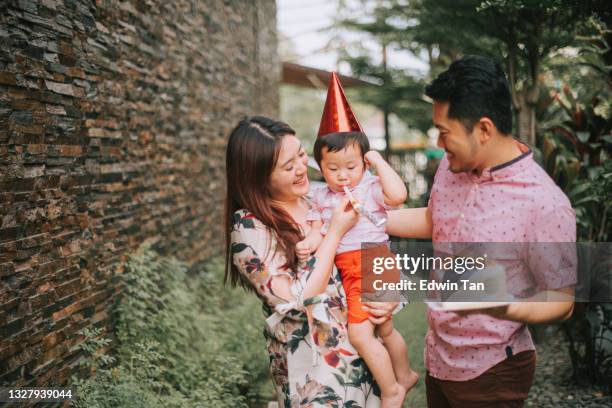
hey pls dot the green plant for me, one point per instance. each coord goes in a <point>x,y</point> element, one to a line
<point>576,139</point>
<point>183,340</point>
<point>575,147</point>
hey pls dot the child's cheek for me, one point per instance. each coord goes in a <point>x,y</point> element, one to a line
<point>356,178</point>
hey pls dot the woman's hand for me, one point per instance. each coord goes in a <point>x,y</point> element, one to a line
<point>343,218</point>
<point>303,250</point>
<point>380,311</point>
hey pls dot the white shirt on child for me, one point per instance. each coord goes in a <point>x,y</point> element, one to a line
<point>370,194</point>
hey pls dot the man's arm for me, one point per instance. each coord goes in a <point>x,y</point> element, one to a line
<point>410,223</point>
<point>552,260</point>
<point>540,310</point>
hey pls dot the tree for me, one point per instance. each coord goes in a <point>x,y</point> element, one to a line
<point>521,33</point>
<point>399,91</point>
<point>530,31</point>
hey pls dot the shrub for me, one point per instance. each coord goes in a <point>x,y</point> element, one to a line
<point>182,340</point>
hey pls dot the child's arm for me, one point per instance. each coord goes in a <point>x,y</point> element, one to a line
<point>394,189</point>
<point>311,242</point>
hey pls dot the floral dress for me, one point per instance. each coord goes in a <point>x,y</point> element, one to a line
<point>311,360</point>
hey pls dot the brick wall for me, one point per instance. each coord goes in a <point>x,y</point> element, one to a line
<point>113,117</point>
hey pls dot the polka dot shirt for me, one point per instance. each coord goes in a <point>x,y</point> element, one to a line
<point>513,202</point>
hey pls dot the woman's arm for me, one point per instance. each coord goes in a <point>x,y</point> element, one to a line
<point>250,242</point>
<point>410,223</point>
<point>343,218</point>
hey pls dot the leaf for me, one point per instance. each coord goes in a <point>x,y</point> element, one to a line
<point>357,378</point>
<point>358,362</point>
<point>238,247</point>
<point>579,189</point>
<point>297,336</point>
<point>594,172</point>
<point>339,378</point>
<point>562,179</point>
<point>548,147</point>
<point>551,161</point>
<point>593,319</point>
<point>573,169</point>
<point>247,223</point>
<point>585,200</point>
<point>376,389</point>
<point>326,396</point>
<point>583,136</point>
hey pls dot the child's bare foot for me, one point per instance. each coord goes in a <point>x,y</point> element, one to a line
<point>408,381</point>
<point>394,400</point>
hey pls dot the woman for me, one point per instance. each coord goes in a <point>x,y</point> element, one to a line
<point>311,360</point>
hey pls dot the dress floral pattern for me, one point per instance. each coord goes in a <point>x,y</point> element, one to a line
<point>312,362</point>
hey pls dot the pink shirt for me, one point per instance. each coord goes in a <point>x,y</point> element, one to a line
<point>369,193</point>
<point>513,202</point>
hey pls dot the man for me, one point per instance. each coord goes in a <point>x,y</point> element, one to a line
<point>488,188</point>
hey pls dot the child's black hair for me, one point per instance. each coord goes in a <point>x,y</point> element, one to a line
<point>338,141</point>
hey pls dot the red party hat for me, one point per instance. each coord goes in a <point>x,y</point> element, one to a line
<point>337,114</point>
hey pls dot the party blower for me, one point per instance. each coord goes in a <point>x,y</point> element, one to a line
<point>376,220</point>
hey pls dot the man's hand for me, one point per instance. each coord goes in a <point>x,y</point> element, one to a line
<point>546,307</point>
<point>500,312</point>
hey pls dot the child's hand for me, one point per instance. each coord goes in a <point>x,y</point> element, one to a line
<point>373,158</point>
<point>304,249</point>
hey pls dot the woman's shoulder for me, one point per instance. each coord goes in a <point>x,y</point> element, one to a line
<point>248,231</point>
<point>245,219</point>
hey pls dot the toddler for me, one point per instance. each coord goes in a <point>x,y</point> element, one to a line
<point>343,158</point>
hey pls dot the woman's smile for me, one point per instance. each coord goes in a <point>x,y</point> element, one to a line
<point>301,185</point>
<point>301,181</point>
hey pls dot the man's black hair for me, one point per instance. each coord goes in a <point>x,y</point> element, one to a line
<point>474,87</point>
<point>338,141</point>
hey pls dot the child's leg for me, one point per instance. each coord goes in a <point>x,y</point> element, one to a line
<point>398,352</point>
<point>361,336</point>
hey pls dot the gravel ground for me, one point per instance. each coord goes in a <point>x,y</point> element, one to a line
<point>553,385</point>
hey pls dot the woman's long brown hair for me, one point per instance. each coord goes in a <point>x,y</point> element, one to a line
<point>252,152</point>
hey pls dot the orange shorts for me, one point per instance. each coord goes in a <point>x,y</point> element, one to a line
<point>349,265</point>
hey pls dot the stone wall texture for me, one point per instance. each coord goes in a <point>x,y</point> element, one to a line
<point>113,121</point>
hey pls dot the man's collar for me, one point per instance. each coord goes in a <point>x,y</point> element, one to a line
<point>507,169</point>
